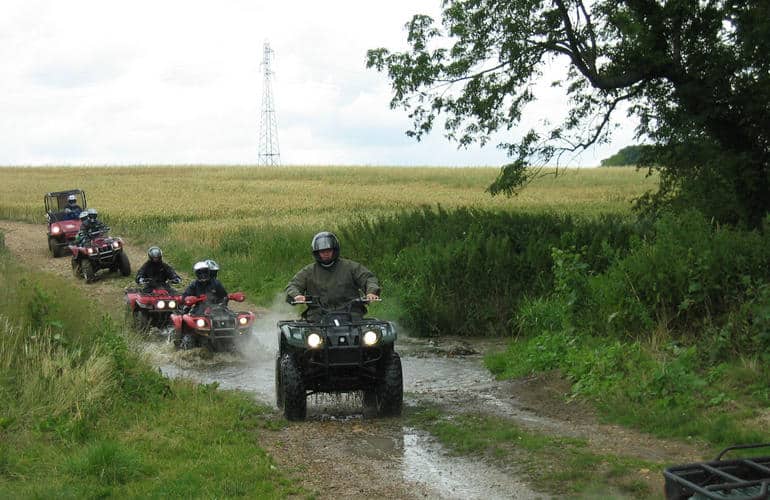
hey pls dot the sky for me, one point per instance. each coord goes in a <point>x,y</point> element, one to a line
<point>105,82</point>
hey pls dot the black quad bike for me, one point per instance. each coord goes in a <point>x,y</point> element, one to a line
<point>342,352</point>
<point>63,225</point>
<point>745,478</point>
<point>99,251</point>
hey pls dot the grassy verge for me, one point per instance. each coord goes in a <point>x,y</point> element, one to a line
<point>556,465</point>
<point>83,416</point>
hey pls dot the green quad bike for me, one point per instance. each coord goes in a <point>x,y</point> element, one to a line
<point>342,352</point>
<point>737,478</point>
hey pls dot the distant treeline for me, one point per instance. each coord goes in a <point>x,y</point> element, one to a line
<point>628,156</point>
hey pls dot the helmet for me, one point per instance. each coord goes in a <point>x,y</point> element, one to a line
<point>83,216</point>
<point>71,199</point>
<point>92,213</point>
<point>155,254</point>
<point>213,267</point>
<point>325,241</point>
<point>202,271</point>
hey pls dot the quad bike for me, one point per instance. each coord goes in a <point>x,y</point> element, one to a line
<point>342,352</point>
<point>212,325</point>
<point>99,251</point>
<point>63,225</point>
<point>744,478</point>
<point>152,305</point>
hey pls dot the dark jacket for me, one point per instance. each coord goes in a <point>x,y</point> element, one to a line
<point>156,272</point>
<point>212,288</point>
<point>87,229</point>
<point>334,286</point>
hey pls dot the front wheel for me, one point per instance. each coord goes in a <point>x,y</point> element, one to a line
<point>54,247</point>
<point>292,390</point>
<point>87,270</point>
<point>187,342</point>
<point>124,265</point>
<point>390,390</point>
<point>278,384</point>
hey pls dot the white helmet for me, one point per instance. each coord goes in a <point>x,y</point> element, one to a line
<point>202,271</point>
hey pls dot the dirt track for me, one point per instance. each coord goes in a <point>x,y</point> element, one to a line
<point>341,454</point>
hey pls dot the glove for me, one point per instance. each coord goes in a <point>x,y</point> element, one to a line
<point>176,280</point>
<point>143,281</point>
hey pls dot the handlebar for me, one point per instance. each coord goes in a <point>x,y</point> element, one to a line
<point>315,301</point>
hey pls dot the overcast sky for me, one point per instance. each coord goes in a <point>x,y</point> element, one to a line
<point>178,82</point>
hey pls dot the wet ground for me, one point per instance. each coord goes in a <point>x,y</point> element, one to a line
<point>341,453</point>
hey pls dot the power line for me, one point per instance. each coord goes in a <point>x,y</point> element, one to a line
<point>269,153</point>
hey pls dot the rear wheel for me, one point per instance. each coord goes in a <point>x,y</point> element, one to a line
<point>390,390</point>
<point>292,390</point>
<point>124,265</point>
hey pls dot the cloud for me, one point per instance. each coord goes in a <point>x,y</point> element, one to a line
<point>181,82</point>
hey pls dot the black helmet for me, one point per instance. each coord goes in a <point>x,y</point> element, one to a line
<point>155,254</point>
<point>325,241</point>
<point>202,271</point>
<point>213,267</point>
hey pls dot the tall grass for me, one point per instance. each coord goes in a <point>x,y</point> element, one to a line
<point>82,415</point>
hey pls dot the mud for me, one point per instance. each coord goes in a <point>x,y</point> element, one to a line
<point>340,452</point>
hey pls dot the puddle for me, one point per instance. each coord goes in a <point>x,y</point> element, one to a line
<point>426,462</point>
<point>415,456</point>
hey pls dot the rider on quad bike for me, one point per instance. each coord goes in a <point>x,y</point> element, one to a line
<point>332,280</point>
<point>90,225</point>
<point>207,320</point>
<point>335,348</point>
<point>204,284</point>
<point>155,273</point>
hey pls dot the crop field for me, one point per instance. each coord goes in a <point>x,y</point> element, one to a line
<point>201,203</point>
<point>258,221</point>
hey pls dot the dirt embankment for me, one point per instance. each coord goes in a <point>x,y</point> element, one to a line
<point>341,454</point>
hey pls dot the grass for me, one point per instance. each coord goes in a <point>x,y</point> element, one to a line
<point>556,465</point>
<point>82,415</point>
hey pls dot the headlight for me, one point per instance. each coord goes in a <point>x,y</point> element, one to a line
<point>172,304</point>
<point>115,244</point>
<point>89,250</point>
<point>370,337</point>
<point>161,304</point>
<point>55,230</point>
<point>200,323</point>
<point>313,340</point>
<point>243,320</point>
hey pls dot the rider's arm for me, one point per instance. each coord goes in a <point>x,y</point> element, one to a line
<point>298,285</point>
<point>366,281</point>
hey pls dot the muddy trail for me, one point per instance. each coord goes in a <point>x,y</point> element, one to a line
<point>340,452</point>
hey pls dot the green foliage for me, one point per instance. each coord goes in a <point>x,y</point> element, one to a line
<point>695,74</point>
<point>466,272</point>
<point>627,156</point>
<point>107,462</point>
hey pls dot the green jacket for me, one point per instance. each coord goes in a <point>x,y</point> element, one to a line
<point>335,286</point>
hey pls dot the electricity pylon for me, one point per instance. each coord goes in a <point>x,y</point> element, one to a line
<point>269,154</point>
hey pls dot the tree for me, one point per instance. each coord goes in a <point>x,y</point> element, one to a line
<point>627,156</point>
<point>695,73</point>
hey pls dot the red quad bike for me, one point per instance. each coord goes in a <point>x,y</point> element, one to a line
<point>63,226</point>
<point>743,477</point>
<point>212,325</point>
<point>151,308</point>
<point>100,251</point>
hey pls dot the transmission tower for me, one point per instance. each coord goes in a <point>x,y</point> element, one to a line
<point>269,154</point>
